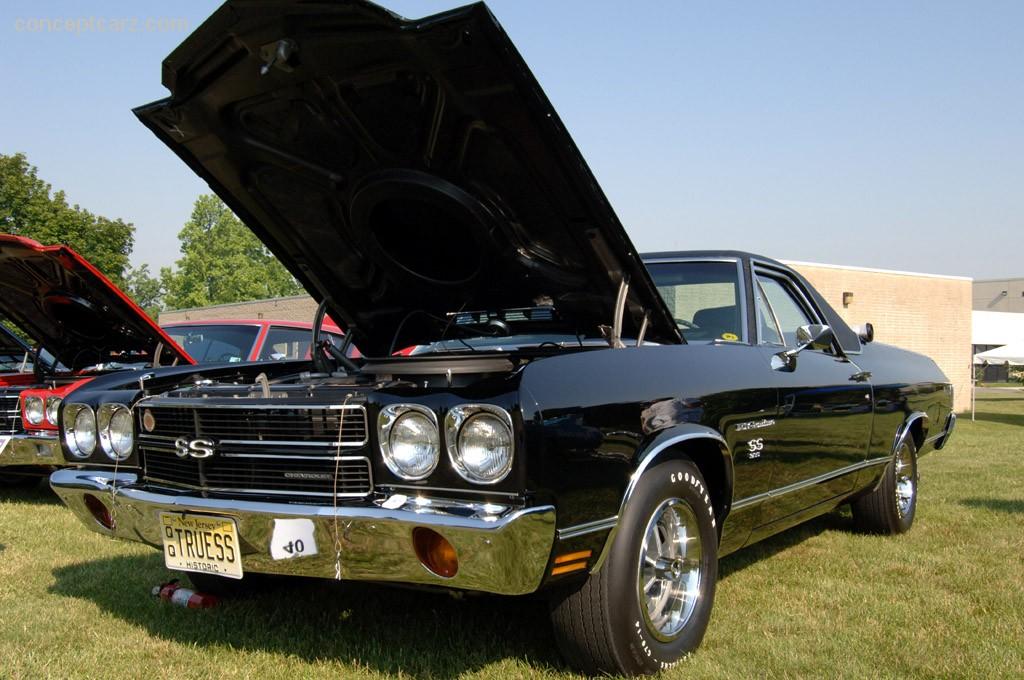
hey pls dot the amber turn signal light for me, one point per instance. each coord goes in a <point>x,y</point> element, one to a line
<point>570,562</point>
<point>435,552</point>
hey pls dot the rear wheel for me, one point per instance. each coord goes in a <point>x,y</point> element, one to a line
<point>890,508</point>
<point>650,603</point>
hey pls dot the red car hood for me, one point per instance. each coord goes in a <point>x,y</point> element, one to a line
<point>63,303</point>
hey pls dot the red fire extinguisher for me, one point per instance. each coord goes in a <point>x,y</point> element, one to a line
<point>183,597</point>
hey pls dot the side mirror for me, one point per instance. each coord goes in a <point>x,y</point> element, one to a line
<point>866,333</point>
<point>811,336</point>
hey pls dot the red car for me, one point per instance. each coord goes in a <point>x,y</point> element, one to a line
<point>84,326</point>
<point>221,340</point>
<point>81,326</point>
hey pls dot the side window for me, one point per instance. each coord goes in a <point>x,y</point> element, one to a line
<point>704,298</point>
<point>285,343</point>
<point>779,310</point>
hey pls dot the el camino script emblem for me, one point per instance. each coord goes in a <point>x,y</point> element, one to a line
<point>197,448</point>
<point>755,424</point>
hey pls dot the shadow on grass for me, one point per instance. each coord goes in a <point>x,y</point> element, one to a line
<point>36,494</point>
<point>422,634</point>
<point>838,520</point>
<point>1005,418</point>
<point>997,504</point>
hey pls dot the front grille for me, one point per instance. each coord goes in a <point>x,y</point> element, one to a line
<point>291,425</point>
<point>295,451</point>
<point>10,415</point>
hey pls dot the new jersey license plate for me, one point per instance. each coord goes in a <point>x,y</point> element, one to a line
<point>201,543</point>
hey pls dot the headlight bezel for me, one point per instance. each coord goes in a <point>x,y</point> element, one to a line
<point>387,419</point>
<point>52,402</point>
<point>71,415</point>
<point>34,409</point>
<point>104,421</point>
<point>456,419</point>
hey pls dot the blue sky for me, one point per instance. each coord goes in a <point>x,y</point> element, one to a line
<point>878,134</point>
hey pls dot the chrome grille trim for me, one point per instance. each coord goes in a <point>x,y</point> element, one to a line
<point>245,464</point>
<point>206,420</point>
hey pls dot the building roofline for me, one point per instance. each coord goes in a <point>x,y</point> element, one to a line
<point>235,304</point>
<point>874,270</point>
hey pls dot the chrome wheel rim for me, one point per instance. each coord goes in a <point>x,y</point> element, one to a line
<point>906,485</point>
<point>669,575</point>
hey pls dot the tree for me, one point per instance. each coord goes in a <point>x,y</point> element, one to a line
<point>28,208</point>
<point>222,261</point>
<point>147,290</point>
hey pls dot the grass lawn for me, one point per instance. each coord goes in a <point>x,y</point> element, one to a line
<point>945,600</point>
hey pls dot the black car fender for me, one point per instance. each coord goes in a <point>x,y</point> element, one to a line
<point>704,446</point>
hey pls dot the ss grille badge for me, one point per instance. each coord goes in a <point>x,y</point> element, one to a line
<point>197,448</point>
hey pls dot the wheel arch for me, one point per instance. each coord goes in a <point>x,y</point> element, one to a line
<point>915,426</point>
<point>704,447</point>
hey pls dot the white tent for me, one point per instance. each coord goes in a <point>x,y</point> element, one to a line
<point>1011,354</point>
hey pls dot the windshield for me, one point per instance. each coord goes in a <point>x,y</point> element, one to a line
<point>704,298</point>
<point>215,343</point>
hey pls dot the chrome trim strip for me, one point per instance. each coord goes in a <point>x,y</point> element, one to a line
<point>803,484</point>
<point>199,402</point>
<point>904,429</point>
<point>587,528</point>
<point>155,438</point>
<point>481,492</point>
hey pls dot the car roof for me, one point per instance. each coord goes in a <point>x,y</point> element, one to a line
<point>688,254</point>
<point>250,322</point>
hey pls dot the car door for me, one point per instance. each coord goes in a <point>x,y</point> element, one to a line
<point>823,426</point>
<point>709,298</point>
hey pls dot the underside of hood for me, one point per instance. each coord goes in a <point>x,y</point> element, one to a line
<point>73,311</point>
<point>11,345</point>
<point>401,170</point>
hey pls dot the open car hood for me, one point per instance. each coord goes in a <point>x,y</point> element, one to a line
<point>74,312</point>
<point>398,167</point>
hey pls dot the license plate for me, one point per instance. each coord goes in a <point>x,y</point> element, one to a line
<point>201,543</point>
<point>3,442</point>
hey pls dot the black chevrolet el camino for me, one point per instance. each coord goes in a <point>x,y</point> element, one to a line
<point>539,408</point>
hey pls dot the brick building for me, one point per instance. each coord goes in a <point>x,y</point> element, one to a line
<point>925,313</point>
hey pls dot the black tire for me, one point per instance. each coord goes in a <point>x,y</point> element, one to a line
<point>887,509</point>
<point>221,586</point>
<point>603,627</point>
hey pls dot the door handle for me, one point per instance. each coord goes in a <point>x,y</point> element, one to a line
<point>861,376</point>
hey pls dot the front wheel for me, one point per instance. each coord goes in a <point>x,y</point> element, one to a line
<point>650,603</point>
<point>890,508</point>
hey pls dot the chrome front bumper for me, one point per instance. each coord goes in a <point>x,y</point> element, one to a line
<point>30,449</point>
<point>500,549</point>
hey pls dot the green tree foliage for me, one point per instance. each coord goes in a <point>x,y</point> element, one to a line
<point>222,261</point>
<point>29,207</point>
<point>147,290</point>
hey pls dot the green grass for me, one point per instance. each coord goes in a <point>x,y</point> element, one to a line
<point>944,600</point>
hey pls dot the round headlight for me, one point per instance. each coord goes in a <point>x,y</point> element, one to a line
<point>480,445</point>
<point>52,409</point>
<point>409,440</point>
<point>116,431</point>
<point>34,410</point>
<point>79,430</point>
